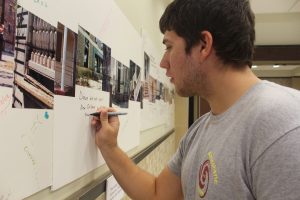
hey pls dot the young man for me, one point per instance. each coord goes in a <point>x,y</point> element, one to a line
<point>248,146</point>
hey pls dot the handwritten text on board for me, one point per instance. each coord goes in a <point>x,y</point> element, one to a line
<point>89,102</point>
<point>41,2</point>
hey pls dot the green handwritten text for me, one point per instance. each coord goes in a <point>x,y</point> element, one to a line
<point>42,3</point>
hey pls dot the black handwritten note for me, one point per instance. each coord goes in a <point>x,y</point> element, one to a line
<point>91,99</point>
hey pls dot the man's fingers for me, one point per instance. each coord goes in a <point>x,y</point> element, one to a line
<point>110,109</point>
<point>104,117</point>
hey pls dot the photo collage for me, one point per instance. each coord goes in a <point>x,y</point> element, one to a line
<point>39,60</point>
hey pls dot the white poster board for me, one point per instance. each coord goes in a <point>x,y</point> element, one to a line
<point>25,149</point>
<point>74,150</point>
<point>41,148</point>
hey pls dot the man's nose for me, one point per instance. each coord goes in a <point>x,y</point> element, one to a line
<point>164,62</point>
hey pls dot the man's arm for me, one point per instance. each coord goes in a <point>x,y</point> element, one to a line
<point>137,183</point>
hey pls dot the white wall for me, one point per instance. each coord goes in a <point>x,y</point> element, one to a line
<point>144,16</point>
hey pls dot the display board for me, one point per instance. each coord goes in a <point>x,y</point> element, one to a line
<point>65,60</point>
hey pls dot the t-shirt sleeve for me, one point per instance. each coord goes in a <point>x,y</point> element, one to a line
<point>275,174</point>
<point>176,161</point>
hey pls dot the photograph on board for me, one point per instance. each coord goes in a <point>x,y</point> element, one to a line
<point>168,95</point>
<point>146,66</point>
<point>119,83</point>
<point>146,86</point>
<point>135,84</point>
<point>159,90</point>
<point>151,87</point>
<point>7,41</point>
<point>93,62</point>
<point>164,93</point>
<point>35,48</point>
<point>65,65</point>
<point>149,83</point>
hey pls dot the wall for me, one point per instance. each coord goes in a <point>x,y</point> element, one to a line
<point>282,76</point>
<point>144,16</point>
<point>149,12</point>
<point>277,28</point>
<point>293,82</point>
<point>148,22</point>
<point>296,83</point>
<point>181,117</point>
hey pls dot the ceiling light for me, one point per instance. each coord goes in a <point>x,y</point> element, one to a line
<point>276,66</point>
<point>254,66</point>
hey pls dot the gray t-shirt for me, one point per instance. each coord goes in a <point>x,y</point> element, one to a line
<point>251,151</point>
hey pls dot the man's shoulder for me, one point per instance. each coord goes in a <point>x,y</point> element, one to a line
<point>276,111</point>
<point>273,98</point>
<point>276,108</point>
<point>192,131</point>
<point>200,121</point>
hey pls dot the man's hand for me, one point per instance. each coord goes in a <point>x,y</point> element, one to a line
<point>137,183</point>
<point>106,129</point>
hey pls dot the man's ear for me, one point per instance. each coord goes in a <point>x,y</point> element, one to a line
<point>206,45</point>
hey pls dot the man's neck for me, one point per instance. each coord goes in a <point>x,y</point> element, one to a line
<point>228,87</point>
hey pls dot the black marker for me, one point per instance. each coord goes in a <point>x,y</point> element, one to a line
<point>97,114</point>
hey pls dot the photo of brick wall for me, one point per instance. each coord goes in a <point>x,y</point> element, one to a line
<point>65,65</point>
<point>35,58</point>
<point>7,41</point>
<point>119,83</point>
<point>93,62</point>
<point>135,83</point>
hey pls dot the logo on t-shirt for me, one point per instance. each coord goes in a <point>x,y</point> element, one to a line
<point>203,178</point>
<point>206,168</point>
